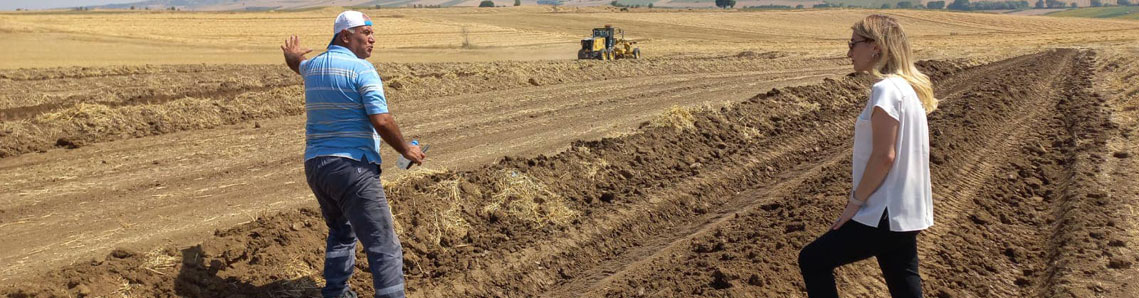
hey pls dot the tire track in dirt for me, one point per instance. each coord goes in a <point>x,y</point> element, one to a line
<point>566,113</point>
<point>1117,74</point>
<point>616,269</point>
<point>964,201</point>
<point>957,200</point>
<point>1086,250</point>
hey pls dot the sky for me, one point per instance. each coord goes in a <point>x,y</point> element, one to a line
<point>42,4</point>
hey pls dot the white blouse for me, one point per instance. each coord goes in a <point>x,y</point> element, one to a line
<point>906,191</point>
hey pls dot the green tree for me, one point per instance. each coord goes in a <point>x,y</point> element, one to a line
<point>1124,2</point>
<point>960,5</point>
<point>517,2</point>
<point>905,5</point>
<point>885,5</point>
<point>935,4</point>
<point>1097,3</point>
<point>650,5</point>
<point>486,3</point>
<point>1039,4</point>
<point>1073,5</point>
<point>725,3</point>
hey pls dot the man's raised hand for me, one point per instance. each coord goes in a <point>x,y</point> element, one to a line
<point>294,53</point>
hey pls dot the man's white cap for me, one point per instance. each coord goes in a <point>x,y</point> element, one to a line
<point>350,19</point>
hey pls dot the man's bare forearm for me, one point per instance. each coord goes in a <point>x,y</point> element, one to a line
<point>294,64</point>
<point>389,131</point>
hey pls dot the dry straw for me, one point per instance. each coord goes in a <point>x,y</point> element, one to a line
<point>676,117</point>
<point>523,197</point>
<point>302,279</point>
<point>450,221</point>
<point>158,260</point>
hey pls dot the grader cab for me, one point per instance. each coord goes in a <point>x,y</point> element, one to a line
<point>604,44</point>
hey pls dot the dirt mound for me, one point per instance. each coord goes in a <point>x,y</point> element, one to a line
<point>271,257</point>
<point>709,202</point>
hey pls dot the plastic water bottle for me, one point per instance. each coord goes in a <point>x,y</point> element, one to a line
<point>403,162</point>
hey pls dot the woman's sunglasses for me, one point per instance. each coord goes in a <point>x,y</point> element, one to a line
<point>851,44</point>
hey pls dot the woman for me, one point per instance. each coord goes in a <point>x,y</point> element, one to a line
<point>891,201</point>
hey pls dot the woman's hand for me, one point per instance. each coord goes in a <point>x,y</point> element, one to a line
<point>852,207</point>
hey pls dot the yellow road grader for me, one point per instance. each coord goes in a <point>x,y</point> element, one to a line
<point>604,45</point>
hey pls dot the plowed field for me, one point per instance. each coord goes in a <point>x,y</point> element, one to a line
<point>709,201</point>
<point>698,171</point>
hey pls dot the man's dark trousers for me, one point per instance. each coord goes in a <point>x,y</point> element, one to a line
<point>354,206</point>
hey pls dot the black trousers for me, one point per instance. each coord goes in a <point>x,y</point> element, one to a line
<point>897,254</point>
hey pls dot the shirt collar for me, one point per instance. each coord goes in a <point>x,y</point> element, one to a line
<point>340,49</point>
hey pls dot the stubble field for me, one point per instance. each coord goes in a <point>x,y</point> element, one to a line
<point>172,166</point>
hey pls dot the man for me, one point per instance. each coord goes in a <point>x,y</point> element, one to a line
<point>347,116</point>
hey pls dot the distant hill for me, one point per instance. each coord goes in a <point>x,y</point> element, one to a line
<point>241,4</point>
<point>1113,12</point>
<point>178,3</point>
<point>893,3</point>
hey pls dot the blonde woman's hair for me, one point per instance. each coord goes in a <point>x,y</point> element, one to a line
<point>895,57</point>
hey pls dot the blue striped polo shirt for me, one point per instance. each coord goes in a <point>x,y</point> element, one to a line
<point>341,90</point>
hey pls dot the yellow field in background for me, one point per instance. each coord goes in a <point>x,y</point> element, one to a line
<point>525,33</point>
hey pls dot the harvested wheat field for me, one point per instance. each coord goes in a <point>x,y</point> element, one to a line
<point>699,170</point>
